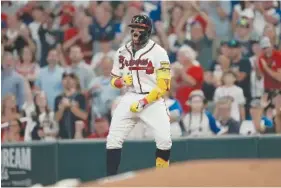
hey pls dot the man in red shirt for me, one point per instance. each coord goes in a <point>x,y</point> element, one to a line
<point>270,65</point>
<point>187,75</point>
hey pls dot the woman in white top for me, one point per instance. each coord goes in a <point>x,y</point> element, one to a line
<point>234,93</point>
<point>199,122</point>
<point>46,128</point>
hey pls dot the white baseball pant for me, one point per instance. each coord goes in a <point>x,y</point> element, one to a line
<point>155,115</point>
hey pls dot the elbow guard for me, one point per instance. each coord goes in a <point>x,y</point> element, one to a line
<point>163,85</point>
<point>116,82</point>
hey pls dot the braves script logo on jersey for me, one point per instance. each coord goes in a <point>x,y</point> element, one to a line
<point>139,64</point>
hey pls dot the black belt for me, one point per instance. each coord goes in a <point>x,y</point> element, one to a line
<point>141,93</point>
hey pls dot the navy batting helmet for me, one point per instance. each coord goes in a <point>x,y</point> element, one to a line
<point>144,22</point>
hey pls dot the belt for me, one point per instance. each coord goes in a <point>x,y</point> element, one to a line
<point>141,93</point>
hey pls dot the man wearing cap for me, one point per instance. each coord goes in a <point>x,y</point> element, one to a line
<point>70,107</point>
<point>243,35</point>
<point>270,65</point>
<point>241,68</point>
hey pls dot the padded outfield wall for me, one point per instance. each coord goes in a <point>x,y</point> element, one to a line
<point>27,163</point>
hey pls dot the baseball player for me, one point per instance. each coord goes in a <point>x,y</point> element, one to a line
<point>144,68</point>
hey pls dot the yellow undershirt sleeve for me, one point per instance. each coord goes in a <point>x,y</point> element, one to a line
<point>163,76</point>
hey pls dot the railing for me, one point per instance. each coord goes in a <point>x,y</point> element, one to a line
<point>27,163</point>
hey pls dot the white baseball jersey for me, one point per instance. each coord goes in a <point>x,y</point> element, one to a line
<point>142,65</point>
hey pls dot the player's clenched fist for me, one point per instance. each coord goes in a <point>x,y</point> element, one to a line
<point>127,79</point>
<point>138,106</point>
<point>119,82</point>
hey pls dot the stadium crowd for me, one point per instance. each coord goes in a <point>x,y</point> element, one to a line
<point>56,60</point>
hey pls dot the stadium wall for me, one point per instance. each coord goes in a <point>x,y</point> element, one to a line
<point>28,163</point>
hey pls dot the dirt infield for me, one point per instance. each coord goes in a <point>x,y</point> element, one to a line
<point>226,173</point>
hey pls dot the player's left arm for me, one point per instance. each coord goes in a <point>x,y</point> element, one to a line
<point>163,80</point>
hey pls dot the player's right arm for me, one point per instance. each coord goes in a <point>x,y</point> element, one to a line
<point>118,80</point>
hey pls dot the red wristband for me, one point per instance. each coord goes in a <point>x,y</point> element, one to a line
<point>145,101</point>
<point>118,83</point>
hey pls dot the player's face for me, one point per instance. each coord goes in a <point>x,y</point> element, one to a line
<point>135,34</point>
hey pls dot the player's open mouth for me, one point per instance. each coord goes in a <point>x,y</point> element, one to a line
<point>136,37</point>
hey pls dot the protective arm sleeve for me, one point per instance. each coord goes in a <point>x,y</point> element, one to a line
<point>163,78</point>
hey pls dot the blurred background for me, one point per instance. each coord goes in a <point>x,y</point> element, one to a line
<point>57,58</point>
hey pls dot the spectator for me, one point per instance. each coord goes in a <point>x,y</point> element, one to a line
<point>223,115</point>
<point>106,51</point>
<point>177,30</point>
<point>212,78</point>
<point>49,37</point>
<point>49,79</point>
<point>198,122</point>
<point>9,109</point>
<point>101,129</point>
<point>70,106</point>
<point>270,32</point>
<point>80,37</point>
<point>14,133</point>
<point>101,91</point>
<point>17,36</point>
<point>256,78</point>
<point>11,81</point>
<point>203,40</point>
<point>242,34</point>
<point>265,12</point>
<point>103,27</point>
<point>224,49</point>
<point>241,67</point>
<point>118,11</point>
<point>258,122</point>
<point>243,9</point>
<point>187,75</point>
<point>232,92</point>
<point>46,127</point>
<point>27,67</point>
<point>270,65</point>
<point>219,12</point>
<point>218,67</point>
<point>177,13</point>
<point>80,68</point>
<point>38,19</point>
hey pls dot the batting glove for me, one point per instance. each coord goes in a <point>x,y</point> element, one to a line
<point>139,105</point>
<point>127,79</point>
